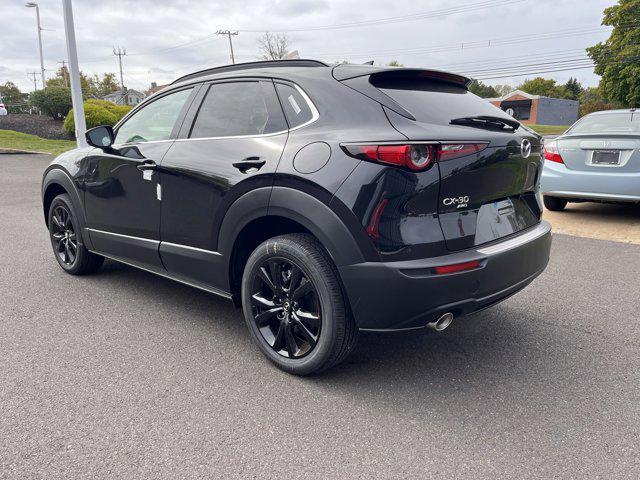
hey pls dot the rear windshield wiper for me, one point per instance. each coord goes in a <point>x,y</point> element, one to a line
<point>487,121</point>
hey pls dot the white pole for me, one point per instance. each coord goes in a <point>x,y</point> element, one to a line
<point>40,44</point>
<point>74,74</point>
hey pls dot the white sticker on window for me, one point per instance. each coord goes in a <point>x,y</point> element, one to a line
<point>147,174</point>
<point>294,105</point>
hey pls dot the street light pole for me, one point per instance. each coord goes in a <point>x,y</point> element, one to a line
<point>74,74</point>
<point>32,5</point>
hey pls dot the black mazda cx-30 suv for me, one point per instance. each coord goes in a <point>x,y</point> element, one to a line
<point>322,199</point>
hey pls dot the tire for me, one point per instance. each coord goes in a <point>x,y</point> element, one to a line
<point>277,311</point>
<point>554,204</point>
<point>66,239</point>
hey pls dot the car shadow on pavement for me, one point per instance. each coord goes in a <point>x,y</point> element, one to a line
<point>486,355</point>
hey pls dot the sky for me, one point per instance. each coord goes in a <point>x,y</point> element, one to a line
<point>498,41</point>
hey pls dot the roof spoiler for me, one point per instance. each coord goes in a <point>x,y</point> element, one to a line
<point>346,72</point>
<point>248,65</point>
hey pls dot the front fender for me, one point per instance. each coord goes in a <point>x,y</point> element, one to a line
<point>58,176</point>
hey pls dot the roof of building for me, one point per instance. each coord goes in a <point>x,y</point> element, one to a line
<point>521,93</point>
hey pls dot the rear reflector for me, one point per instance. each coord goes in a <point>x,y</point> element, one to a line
<point>416,156</point>
<point>552,153</point>
<point>457,267</point>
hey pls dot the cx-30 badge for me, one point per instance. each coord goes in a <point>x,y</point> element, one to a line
<point>459,202</point>
<point>525,148</point>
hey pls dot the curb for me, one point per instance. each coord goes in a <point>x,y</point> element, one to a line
<point>12,151</point>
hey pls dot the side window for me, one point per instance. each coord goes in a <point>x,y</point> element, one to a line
<point>154,121</point>
<point>295,106</point>
<point>239,108</point>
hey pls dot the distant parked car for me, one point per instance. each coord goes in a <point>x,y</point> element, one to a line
<point>597,159</point>
<point>3,110</point>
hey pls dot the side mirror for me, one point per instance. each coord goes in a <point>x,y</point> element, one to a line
<point>100,137</point>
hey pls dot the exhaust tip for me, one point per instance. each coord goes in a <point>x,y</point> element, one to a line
<point>441,323</point>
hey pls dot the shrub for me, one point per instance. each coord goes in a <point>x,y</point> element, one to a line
<point>96,113</point>
<point>54,101</point>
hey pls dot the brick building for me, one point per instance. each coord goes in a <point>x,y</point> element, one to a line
<point>536,109</point>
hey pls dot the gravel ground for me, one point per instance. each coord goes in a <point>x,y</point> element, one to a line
<point>126,375</point>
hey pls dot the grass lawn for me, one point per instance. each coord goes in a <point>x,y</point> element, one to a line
<point>23,141</point>
<point>549,129</point>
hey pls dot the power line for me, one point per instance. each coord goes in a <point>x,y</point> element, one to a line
<point>535,72</point>
<point>488,43</point>
<point>403,18</point>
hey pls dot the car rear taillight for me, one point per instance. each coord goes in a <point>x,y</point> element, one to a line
<point>449,151</point>
<point>415,156</point>
<point>552,153</point>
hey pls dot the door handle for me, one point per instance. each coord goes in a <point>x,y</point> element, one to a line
<point>249,163</point>
<point>147,165</point>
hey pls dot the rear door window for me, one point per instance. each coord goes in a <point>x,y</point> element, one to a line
<point>295,107</point>
<point>437,102</point>
<point>246,108</point>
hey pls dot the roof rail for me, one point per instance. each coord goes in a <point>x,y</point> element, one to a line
<point>248,65</point>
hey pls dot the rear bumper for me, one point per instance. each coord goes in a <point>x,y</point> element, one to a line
<point>405,295</point>
<point>559,181</point>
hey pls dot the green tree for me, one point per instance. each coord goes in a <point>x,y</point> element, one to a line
<point>107,84</point>
<point>53,100</point>
<point>573,89</point>
<point>92,87</point>
<point>546,87</point>
<point>483,90</point>
<point>503,89</point>
<point>394,63</point>
<point>617,60</point>
<point>592,100</point>
<point>10,95</point>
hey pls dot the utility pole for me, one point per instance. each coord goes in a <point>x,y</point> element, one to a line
<point>74,74</point>
<point>35,5</point>
<point>64,72</point>
<point>120,53</point>
<point>229,33</point>
<point>33,76</point>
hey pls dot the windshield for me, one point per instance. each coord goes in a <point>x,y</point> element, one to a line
<point>608,123</point>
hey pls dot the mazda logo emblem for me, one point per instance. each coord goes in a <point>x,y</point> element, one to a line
<point>525,148</point>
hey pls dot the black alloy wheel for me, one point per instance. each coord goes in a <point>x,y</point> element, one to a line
<point>294,306</point>
<point>286,307</point>
<point>63,235</point>
<point>66,239</point>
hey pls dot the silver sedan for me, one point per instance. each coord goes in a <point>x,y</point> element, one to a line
<point>597,159</point>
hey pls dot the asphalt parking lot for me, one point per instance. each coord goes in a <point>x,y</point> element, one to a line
<point>126,375</point>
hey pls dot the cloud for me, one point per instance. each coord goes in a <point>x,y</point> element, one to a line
<point>152,32</point>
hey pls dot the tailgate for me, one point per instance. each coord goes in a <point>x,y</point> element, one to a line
<point>485,195</point>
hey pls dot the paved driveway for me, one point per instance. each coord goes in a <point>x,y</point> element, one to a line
<point>127,375</point>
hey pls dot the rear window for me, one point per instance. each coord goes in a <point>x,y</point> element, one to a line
<point>437,102</point>
<point>608,123</point>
